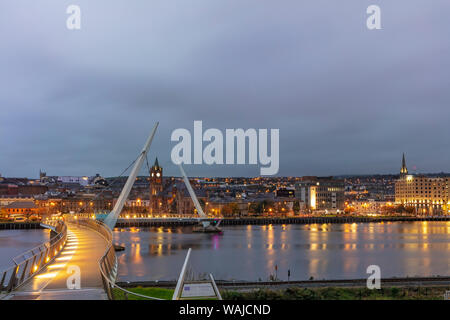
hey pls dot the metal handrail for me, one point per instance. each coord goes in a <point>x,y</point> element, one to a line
<point>58,228</point>
<point>109,284</point>
<point>108,262</point>
<point>33,260</point>
<point>96,225</point>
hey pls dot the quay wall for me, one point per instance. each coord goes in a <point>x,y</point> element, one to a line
<point>143,222</point>
<point>152,222</point>
<point>414,281</point>
<point>19,225</point>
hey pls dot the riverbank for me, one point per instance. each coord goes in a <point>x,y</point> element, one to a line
<point>251,285</point>
<point>160,293</point>
<point>171,222</point>
<point>292,292</point>
<point>333,293</point>
<point>20,225</point>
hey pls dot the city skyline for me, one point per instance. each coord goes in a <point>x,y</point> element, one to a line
<point>144,172</point>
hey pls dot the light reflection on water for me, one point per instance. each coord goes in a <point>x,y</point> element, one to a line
<point>323,251</point>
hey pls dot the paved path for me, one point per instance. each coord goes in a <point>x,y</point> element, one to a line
<point>83,249</point>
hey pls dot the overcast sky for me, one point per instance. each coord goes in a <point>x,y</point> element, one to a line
<point>347,100</point>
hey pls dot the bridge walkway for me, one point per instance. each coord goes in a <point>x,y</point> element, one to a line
<point>83,249</point>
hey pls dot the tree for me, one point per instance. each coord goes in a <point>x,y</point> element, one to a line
<point>392,209</point>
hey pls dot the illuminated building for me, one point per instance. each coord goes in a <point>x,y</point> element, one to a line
<point>427,195</point>
<point>321,193</point>
<point>25,208</point>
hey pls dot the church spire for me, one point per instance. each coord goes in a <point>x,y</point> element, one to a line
<point>156,165</point>
<point>403,170</point>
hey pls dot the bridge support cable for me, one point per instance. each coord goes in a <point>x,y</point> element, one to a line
<point>116,179</point>
<point>111,218</point>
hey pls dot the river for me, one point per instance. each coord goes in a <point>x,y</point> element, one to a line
<point>15,242</point>
<point>321,251</point>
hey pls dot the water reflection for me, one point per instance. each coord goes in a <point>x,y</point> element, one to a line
<point>322,251</point>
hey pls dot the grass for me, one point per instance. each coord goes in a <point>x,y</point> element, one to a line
<point>161,293</point>
<point>333,293</point>
<point>298,293</point>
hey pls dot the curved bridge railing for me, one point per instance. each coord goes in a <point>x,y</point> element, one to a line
<point>108,262</point>
<point>108,267</point>
<point>31,262</point>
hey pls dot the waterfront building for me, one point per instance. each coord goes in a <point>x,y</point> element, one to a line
<point>137,203</point>
<point>80,203</point>
<point>321,193</point>
<point>20,208</point>
<point>427,195</point>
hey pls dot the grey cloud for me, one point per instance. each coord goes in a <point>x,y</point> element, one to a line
<point>346,100</point>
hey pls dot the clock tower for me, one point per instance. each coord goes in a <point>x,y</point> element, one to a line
<point>156,187</point>
<point>156,173</point>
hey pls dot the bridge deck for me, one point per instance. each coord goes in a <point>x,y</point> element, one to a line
<point>84,248</point>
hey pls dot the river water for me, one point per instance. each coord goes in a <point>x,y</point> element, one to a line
<point>321,251</point>
<point>15,242</point>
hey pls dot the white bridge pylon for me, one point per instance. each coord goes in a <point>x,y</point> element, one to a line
<point>112,217</point>
<point>192,193</point>
<point>204,220</point>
